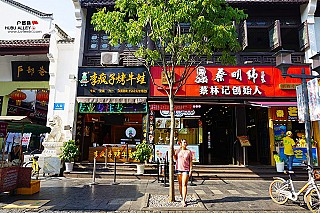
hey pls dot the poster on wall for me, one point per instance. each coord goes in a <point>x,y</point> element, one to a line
<point>300,155</point>
<point>279,131</point>
<point>166,122</point>
<point>161,152</point>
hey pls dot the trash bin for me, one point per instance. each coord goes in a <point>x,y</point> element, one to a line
<point>280,166</point>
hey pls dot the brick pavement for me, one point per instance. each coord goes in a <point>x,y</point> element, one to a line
<point>79,195</point>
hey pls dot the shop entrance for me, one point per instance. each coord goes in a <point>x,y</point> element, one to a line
<point>221,126</point>
<point>219,135</point>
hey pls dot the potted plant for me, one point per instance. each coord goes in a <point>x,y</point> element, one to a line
<point>69,152</point>
<point>142,154</point>
<point>279,162</point>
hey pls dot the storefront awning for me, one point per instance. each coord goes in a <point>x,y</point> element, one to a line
<point>123,100</point>
<point>270,104</point>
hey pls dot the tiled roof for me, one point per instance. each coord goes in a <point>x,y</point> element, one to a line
<point>101,3</point>
<point>24,43</point>
<point>28,9</point>
<point>66,41</point>
<point>96,3</point>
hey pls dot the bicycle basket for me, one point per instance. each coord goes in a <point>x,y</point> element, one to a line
<point>316,174</point>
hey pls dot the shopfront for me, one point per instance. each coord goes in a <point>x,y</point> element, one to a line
<point>283,119</point>
<point>27,95</point>
<point>112,111</point>
<point>226,102</point>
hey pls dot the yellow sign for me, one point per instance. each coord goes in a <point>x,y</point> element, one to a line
<point>288,86</point>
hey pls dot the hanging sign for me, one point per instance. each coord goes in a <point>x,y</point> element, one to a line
<point>314,99</point>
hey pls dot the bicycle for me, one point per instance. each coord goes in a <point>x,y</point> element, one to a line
<point>280,190</point>
<point>34,164</point>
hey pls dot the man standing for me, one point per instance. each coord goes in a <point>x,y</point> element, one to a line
<point>289,144</point>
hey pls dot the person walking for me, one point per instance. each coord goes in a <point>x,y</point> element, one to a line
<point>289,144</point>
<point>183,158</point>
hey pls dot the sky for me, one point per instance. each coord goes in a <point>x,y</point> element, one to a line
<point>62,10</point>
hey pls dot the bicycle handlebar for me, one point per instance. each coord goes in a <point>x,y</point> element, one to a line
<point>308,166</point>
<point>33,151</point>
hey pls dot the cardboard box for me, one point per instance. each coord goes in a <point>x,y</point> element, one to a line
<point>34,188</point>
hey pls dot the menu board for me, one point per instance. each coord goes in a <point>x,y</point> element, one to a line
<point>244,141</point>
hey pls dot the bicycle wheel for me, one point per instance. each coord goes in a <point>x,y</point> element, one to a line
<point>312,201</point>
<point>277,190</point>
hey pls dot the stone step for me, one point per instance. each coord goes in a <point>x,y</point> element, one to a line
<point>200,172</point>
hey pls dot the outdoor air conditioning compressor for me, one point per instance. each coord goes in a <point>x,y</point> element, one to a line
<point>109,58</point>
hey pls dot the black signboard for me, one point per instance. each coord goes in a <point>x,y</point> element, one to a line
<point>1,101</point>
<point>30,70</point>
<point>102,82</point>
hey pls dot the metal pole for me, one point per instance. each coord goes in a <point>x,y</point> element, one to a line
<point>115,172</point>
<point>307,123</point>
<point>158,169</point>
<point>127,150</point>
<point>106,158</point>
<point>94,172</point>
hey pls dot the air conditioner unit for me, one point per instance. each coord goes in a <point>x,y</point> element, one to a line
<point>109,58</point>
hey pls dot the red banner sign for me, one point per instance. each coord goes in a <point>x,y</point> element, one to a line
<point>231,81</point>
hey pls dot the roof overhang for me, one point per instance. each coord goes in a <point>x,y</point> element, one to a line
<point>15,119</point>
<point>271,104</point>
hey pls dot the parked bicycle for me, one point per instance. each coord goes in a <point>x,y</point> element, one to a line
<point>281,190</point>
<point>33,161</point>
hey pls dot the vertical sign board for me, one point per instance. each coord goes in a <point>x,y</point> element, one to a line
<point>300,103</point>
<point>314,99</point>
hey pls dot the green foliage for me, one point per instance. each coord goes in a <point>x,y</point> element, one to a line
<point>277,158</point>
<point>69,151</point>
<point>210,24</point>
<point>143,152</point>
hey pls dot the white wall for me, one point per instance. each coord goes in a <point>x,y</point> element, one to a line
<point>16,24</point>
<point>307,14</point>
<point>317,32</point>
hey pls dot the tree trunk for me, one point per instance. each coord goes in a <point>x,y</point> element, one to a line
<point>171,150</point>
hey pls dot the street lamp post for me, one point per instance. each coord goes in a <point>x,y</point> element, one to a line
<point>283,62</point>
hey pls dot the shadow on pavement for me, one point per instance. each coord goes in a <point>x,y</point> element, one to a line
<point>83,197</point>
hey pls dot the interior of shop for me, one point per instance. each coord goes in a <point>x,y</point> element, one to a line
<point>111,128</point>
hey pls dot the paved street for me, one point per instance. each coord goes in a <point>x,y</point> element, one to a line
<point>78,195</point>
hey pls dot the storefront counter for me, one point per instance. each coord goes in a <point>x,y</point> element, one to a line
<point>112,150</point>
<point>300,154</point>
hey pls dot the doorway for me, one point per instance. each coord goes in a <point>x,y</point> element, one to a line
<point>218,121</point>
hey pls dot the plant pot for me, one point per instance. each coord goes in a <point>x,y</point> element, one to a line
<point>140,169</point>
<point>69,166</point>
<point>280,166</point>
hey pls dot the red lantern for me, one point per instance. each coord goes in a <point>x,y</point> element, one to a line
<point>18,96</point>
<point>43,97</point>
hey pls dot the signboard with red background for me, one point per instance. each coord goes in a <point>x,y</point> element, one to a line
<point>242,81</point>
